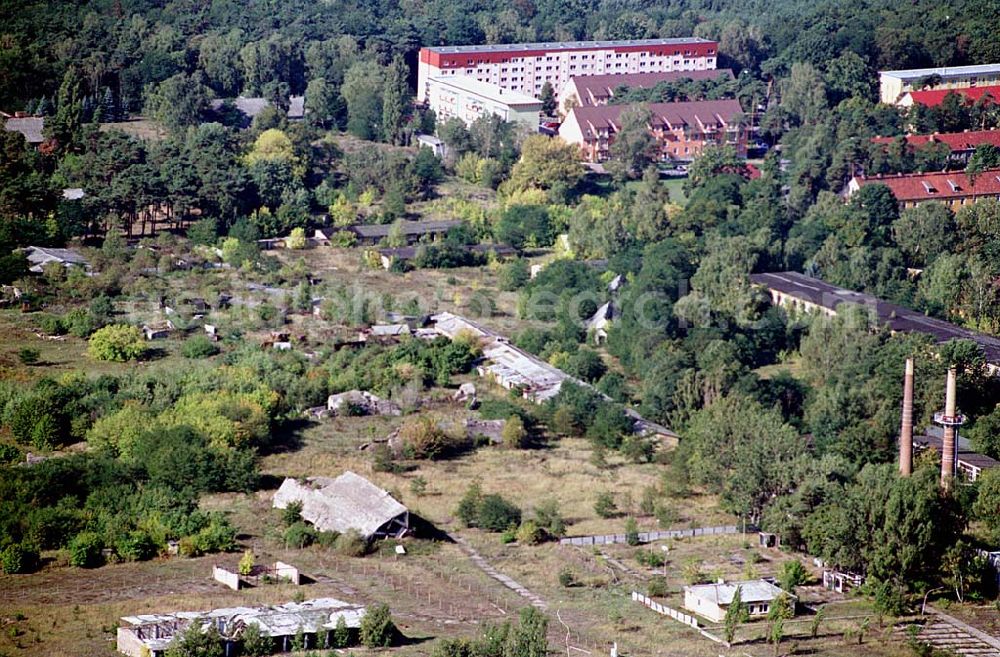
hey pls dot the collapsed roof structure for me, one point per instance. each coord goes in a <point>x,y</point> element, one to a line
<point>150,635</point>
<point>349,502</point>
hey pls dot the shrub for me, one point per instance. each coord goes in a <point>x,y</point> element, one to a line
<point>418,486</point>
<point>9,453</point>
<point>85,550</point>
<point>792,574</point>
<point>530,534</point>
<point>18,558</point>
<point>296,239</point>
<point>567,578</point>
<point>51,325</point>
<point>28,356</point>
<point>547,517</point>
<point>631,532</point>
<point>605,505</point>
<point>377,628</point>
<point>218,536</point>
<point>468,506</point>
<point>117,343</point>
<point>199,346</point>
<point>513,275</point>
<point>299,535</point>
<point>514,435</point>
<point>496,514</point>
<point>351,544</point>
<point>657,587</point>
<point>650,559</point>
<point>136,546</point>
<point>247,562</point>
<point>292,513</point>
<point>424,439</point>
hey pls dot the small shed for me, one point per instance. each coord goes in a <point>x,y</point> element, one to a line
<point>157,330</point>
<point>348,502</point>
<point>430,141</point>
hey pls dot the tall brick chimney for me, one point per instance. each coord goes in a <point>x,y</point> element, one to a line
<point>906,430</point>
<point>951,421</point>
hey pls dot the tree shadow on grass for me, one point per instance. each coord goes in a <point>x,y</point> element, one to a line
<point>286,437</point>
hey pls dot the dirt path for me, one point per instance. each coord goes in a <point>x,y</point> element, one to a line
<point>484,565</point>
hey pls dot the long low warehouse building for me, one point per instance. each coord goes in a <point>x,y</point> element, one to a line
<point>515,369</point>
<point>800,292</point>
<point>150,635</point>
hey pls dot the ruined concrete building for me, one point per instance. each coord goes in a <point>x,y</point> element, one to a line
<point>150,635</point>
<point>345,503</point>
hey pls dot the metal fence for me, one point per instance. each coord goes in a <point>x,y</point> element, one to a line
<point>647,537</point>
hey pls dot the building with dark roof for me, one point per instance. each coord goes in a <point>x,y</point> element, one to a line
<point>952,188</point>
<point>799,292</point>
<point>391,255</point>
<point>591,90</point>
<point>894,85</point>
<point>681,129</point>
<point>526,67</point>
<point>969,462</point>
<point>961,144</point>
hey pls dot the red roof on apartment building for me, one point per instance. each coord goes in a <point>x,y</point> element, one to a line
<point>596,89</point>
<point>944,186</point>
<point>714,113</point>
<point>934,97</point>
<point>956,141</point>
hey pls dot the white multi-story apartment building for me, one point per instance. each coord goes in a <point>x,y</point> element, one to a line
<point>526,67</point>
<point>894,85</point>
<point>468,99</point>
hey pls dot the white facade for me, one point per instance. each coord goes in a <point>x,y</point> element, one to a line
<point>894,85</point>
<point>526,67</point>
<point>468,99</point>
<point>711,600</point>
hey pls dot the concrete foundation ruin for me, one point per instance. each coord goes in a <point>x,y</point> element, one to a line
<point>150,635</point>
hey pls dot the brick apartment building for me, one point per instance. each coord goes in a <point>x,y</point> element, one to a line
<point>526,67</point>
<point>961,144</point>
<point>591,90</point>
<point>952,188</point>
<point>682,129</point>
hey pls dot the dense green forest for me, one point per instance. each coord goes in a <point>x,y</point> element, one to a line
<point>121,46</point>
